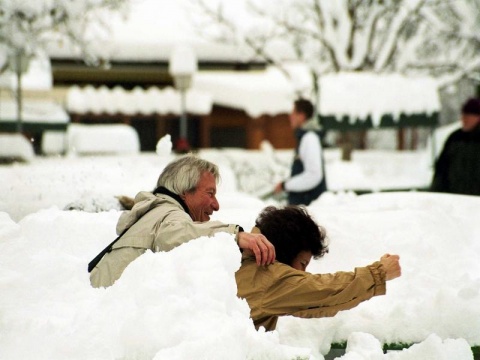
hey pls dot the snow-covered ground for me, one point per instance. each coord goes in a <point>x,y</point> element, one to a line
<point>95,180</point>
<point>183,305</point>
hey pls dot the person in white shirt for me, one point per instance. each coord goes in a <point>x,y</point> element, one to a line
<point>307,178</point>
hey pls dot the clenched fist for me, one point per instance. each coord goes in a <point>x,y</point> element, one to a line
<point>391,265</point>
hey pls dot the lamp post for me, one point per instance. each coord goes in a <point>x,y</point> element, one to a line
<point>19,64</point>
<point>182,66</point>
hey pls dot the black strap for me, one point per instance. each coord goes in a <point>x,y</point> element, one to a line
<point>165,191</point>
<point>96,260</point>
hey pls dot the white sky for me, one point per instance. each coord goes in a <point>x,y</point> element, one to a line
<point>48,304</point>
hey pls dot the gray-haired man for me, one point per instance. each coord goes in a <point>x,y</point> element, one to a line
<point>176,212</point>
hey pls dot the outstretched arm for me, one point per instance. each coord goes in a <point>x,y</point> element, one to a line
<point>307,295</point>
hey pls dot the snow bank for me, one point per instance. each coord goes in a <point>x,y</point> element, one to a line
<point>365,347</point>
<point>46,299</point>
<point>176,305</point>
<point>102,139</point>
<point>439,290</point>
<point>16,146</point>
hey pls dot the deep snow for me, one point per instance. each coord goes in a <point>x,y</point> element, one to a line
<point>182,304</point>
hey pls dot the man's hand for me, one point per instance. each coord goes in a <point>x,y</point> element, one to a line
<point>278,188</point>
<point>257,243</point>
<point>391,265</point>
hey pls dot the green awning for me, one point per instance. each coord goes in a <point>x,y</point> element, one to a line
<point>345,123</point>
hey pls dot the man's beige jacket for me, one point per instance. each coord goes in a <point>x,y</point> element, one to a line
<point>157,223</point>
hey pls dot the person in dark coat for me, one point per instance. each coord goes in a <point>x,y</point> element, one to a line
<point>457,169</point>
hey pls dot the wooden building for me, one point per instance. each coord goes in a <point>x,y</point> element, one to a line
<point>219,112</point>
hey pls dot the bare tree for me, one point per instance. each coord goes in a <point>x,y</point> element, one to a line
<point>28,27</point>
<point>452,51</point>
<point>438,37</point>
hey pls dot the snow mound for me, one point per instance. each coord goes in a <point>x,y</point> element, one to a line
<point>168,305</point>
<point>15,147</point>
<point>363,346</point>
<point>102,139</point>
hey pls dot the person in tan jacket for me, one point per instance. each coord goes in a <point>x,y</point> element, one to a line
<point>176,212</point>
<point>285,288</point>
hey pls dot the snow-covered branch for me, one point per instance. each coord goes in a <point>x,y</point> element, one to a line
<point>403,16</point>
<point>27,27</point>
<point>428,36</point>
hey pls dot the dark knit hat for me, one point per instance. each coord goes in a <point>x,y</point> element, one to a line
<point>471,106</point>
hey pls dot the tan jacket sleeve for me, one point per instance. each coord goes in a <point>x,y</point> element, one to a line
<point>177,228</point>
<point>320,295</point>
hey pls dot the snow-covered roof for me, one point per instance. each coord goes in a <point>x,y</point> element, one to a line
<point>358,95</point>
<point>256,92</point>
<point>270,92</point>
<point>137,101</point>
<point>34,111</point>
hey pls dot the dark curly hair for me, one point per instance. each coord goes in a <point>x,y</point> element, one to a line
<point>292,230</point>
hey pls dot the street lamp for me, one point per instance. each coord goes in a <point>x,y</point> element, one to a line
<point>182,66</point>
<point>19,64</point>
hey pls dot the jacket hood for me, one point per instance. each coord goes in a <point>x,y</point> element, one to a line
<point>144,202</point>
<point>311,124</point>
